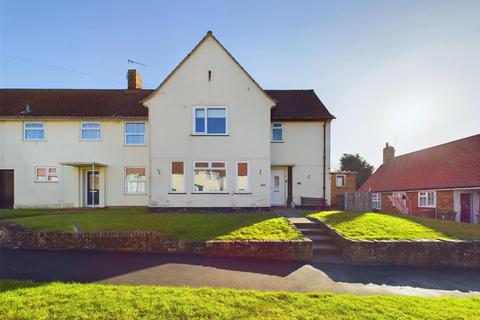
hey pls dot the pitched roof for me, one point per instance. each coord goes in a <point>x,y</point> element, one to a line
<point>298,105</point>
<point>75,103</point>
<point>302,105</point>
<point>454,164</point>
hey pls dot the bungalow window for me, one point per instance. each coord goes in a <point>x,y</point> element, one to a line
<point>135,133</point>
<point>46,174</point>
<point>277,132</point>
<point>135,180</point>
<point>427,199</point>
<point>210,120</point>
<point>376,201</point>
<point>90,131</point>
<point>340,180</point>
<point>33,131</point>
<point>209,177</point>
<point>177,177</point>
<point>242,184</point>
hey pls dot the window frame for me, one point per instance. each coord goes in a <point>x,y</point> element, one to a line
<point>210,168</point>
<point>434,205</point>
<point>91,122</point>
<point>205,132</point>
<point>271,132</point>
<point>379,200</point>
<point>25,130</point>
<point>126,134</point>
<point>248,177</point>
<point>170,178</point>
<point>344,180</point>
<point>126,182</point>
<point>47,174</point>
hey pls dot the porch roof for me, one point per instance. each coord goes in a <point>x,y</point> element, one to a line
<point>83,164</point>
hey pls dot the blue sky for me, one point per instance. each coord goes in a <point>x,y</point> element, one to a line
<point>406,72</point>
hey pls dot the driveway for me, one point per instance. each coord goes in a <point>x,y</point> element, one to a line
<point>194,271</point>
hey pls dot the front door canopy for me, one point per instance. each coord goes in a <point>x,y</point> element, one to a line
<point>83,164</point>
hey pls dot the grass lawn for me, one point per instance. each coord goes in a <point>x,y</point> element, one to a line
<point>181,226</point>
<point>28,300</point>
<point>373,225</point>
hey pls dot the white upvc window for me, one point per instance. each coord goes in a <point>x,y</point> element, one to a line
<point>90,131</point>
<point>376,201</point>
<point>177,177</point>
<point>46,174</point>
<point>340,180</point>
<point>210,177</point>
<point>277,132</point>
<point>427,199</point>
<point>135,180</point>
<point>210,120</point>
<point>33,131</point>
<point>135,133</point>
<point>242,177</point>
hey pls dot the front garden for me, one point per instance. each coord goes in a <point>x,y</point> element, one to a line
<point>28,300</point>
<point>371,225</point>
<point>177,226</point>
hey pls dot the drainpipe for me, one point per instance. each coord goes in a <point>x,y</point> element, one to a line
<point>324,163</point>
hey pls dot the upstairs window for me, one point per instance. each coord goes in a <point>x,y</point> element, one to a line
<point>277,132</point>
<point>135,133</point>
<point>427,199</point>
<point>242,184</point>
<point>46,174</point>
<point>210,120</point>
<point>340,180</point>
<point>210,177</point>
<point>376,201</point>
<point>90,131</point>
<point>33,131</point>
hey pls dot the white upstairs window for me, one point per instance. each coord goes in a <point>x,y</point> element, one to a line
<point>135,133</point>
<point>90,131</point>
<point>340,180</point>
<point>210,120</point>
<point>33,131</point>
<point>277,132</point>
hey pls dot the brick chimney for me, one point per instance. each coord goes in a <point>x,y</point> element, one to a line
<point>134,80</point>
<point>388,153</point>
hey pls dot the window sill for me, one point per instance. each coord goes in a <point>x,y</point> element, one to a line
<point>135,194</point>
<point>209,134</point>
<point>35,140</point>
<point>425,207</point>
<point>177,193</point>
<point>243,193</point>
<point>45,181</point>
<point>134,145</point>
<point>196,192</point>
<point>92,140</point>
<point>277,141</point>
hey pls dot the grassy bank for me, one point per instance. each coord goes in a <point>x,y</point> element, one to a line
<point>373,225</point>
<point>181,226</point>
<point>27,300</point>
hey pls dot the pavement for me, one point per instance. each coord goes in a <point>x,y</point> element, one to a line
<point>196,271</point>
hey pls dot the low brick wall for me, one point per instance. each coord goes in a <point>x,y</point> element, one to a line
<point>453,253</point>
<point>14,235</point>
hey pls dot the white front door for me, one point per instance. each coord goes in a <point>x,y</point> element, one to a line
<point>278,187</point>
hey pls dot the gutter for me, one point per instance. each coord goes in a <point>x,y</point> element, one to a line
<point>324,162</point>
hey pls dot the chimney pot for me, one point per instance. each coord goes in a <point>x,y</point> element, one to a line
<point>388,153</point>
<point>134,80</point>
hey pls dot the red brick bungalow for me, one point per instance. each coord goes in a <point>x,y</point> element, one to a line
<point>434,182</point>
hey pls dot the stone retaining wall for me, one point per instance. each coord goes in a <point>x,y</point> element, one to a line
<point>453,253</point>
<point>14,235</point>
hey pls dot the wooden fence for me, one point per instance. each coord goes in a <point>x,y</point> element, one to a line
<point>358,201</point>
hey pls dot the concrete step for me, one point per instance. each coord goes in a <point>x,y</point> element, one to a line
<point>325,248</point>
<point>307,225</point>
<point>311,231</point>
<point>320,238</point>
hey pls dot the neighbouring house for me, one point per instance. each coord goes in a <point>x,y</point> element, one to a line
<point>437,182</point>
<point>208,136</point>
<point>341,182</point>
